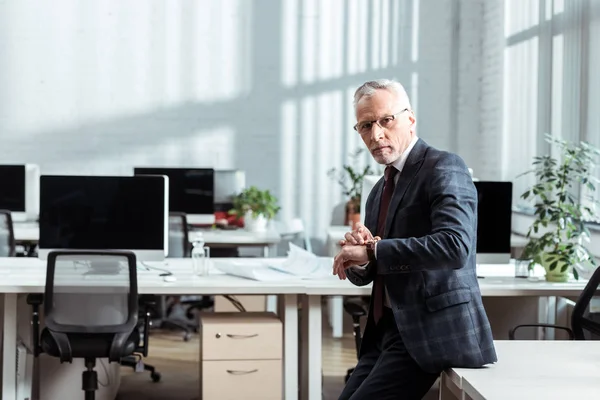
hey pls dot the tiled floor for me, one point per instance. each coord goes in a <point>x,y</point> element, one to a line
<point>177,361</point>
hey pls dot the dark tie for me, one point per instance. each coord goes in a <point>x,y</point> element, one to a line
<point>386,197</point>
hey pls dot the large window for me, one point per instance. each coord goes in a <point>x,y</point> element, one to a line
<point>550,86</point>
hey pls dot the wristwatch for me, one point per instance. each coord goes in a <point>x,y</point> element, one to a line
<point>371,249</point>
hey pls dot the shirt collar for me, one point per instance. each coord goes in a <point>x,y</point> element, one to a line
<point>399,163</point>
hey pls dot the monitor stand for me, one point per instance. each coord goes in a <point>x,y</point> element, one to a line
<point>104,267</point>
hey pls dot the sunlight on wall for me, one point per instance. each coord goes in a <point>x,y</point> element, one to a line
<point>520,113</point>
<point>306,168</point>
<point>309,40</point>
<point>413,94</point>
<point>330,40</point>
<point>111,59</point>
<point>557,85</point>
<point>211,149</point>
<point>520,15</point>
<point>328,146</point>
<point>357,36</point>
<point>289,42</point>
<point>375,34</point>
<point>288,177</point>
<point>416,16</point>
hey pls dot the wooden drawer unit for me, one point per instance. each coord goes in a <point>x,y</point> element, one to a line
<point>240,356</point>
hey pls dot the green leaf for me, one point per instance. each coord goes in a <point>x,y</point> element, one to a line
<point>553,265</point>
<point>564,268</point>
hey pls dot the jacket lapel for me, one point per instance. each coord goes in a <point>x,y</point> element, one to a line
<point>409,171</point>
<point>372,217</point>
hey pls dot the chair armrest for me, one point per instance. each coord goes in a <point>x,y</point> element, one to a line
<point>511,333</point>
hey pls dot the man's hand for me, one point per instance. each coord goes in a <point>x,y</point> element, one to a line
<point>348,256</point>
<point>358,236</point>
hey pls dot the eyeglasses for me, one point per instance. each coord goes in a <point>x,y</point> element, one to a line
<point>384,122</point>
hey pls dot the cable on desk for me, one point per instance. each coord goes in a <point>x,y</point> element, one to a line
<point>165,272</point>
<point>236,303</point>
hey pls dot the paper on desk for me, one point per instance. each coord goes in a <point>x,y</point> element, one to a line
<point>303,264</point>
<point>258,271</point>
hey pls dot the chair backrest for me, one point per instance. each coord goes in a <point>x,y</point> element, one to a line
<point>179,244</point>
<point>585,318</point>
<point>91,292</point>
<point>7,234</point>
<point>291,231</point>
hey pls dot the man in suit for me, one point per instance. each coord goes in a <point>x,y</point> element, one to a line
<point>418,248</point>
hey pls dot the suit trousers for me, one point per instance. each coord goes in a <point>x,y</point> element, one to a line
<point>386,370</point>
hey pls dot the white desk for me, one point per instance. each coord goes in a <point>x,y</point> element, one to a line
<point>27,275</point>
<point>530,370</point>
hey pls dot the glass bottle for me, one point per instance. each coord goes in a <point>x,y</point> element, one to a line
<point>200,256</point>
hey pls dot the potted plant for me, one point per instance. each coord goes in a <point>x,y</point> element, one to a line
<point>557,235</point>
<point>351,179</point>
<point>256,206</point>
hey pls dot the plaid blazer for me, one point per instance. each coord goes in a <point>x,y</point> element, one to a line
<point>427,258</point>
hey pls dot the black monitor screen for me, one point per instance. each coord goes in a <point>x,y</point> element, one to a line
<point>494,214</point>
<point>191,190</point>
<point>12,188</point>
<point>100,212</point>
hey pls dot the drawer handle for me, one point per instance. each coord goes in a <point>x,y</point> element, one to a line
<point>232,372</point>
<point>241,336</point>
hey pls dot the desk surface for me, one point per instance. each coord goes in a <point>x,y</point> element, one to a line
<point>28,232</point>
<point>26,275</point>
<point>542,369</point>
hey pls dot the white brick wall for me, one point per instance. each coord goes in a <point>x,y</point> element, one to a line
<point>489,145</point>
<point>261,86</point>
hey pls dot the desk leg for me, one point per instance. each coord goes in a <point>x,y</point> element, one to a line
<point>288,306</point>
<point>448,389</point>
<point>311,360</point>
<point>9,354</point>
<point>336,315</point>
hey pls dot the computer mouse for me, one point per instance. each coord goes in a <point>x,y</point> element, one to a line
<point>169,278</point>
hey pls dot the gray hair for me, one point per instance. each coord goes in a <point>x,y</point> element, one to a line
<point>369,88</point>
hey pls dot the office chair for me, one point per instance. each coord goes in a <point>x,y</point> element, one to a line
<point>7,235</point>
<point>291,231</point>
<point>90,310</point>
<point>357,308</point>
<point>581,317</point>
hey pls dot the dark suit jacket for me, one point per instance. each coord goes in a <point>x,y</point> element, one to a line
<point>427,257</point>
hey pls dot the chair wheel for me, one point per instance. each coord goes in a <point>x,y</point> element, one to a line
<point>187,336</point>
<point>155,376</point>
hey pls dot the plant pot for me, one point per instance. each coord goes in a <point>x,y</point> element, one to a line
<point>353,219</point>
<point>352,212</point>
<point>559,273</point>
<point>255,224</point>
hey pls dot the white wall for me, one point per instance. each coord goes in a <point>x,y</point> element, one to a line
<point>264,86</point>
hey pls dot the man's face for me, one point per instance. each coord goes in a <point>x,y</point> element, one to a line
<point>388,143</point>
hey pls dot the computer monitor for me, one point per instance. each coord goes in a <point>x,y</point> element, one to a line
<point>369,182</point>
<point>19,191</point>
<point>228,184</point>
<point>105,213</point>
<point>494,216</point>
<point>191,191</point>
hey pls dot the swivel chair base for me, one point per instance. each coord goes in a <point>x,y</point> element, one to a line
<point>131,361</point>
<point>89,379</point>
